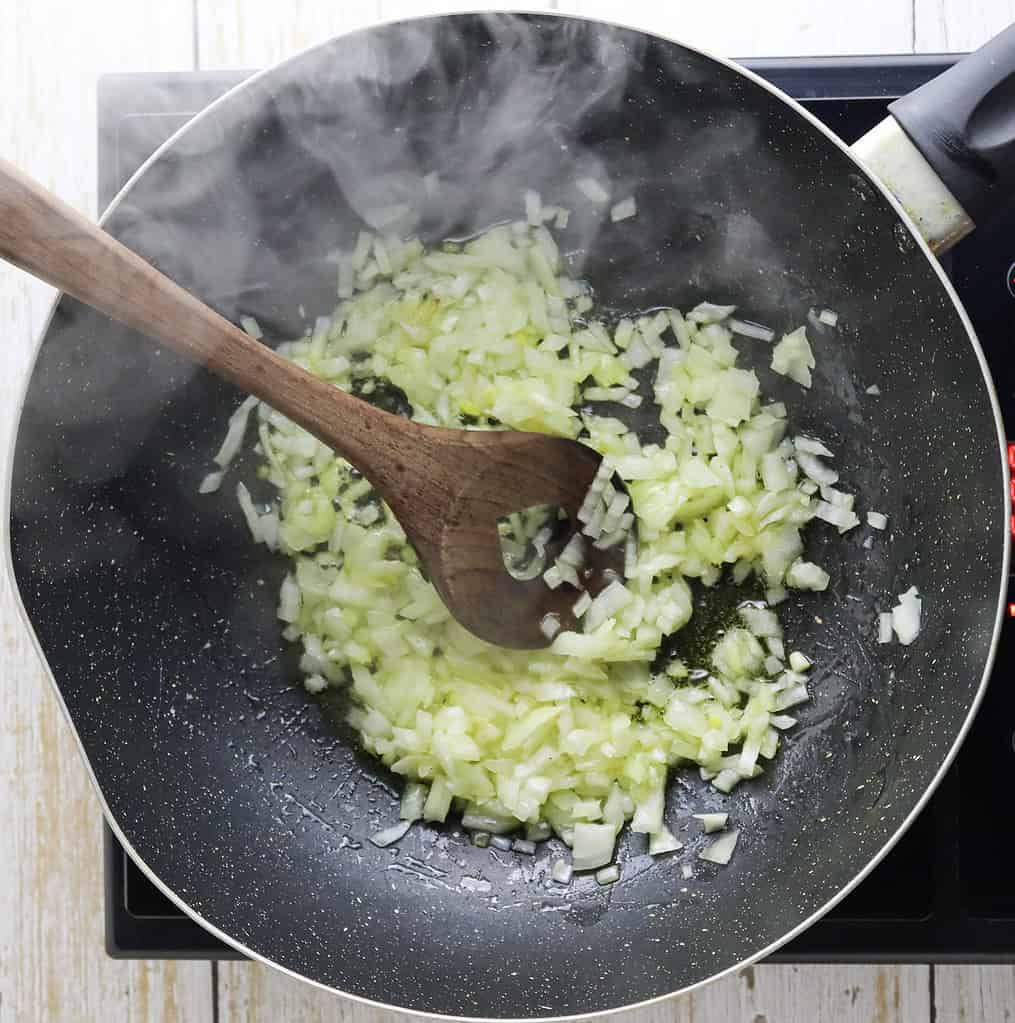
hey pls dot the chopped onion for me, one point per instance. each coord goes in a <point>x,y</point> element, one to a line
<point>708,312</point>
<point>211,482</point>
<point>606,604</point>
<point>793,357</point>
<point>721,850</point>
<point>663,841</point>
<point>251,327</point>
<point>388,836</point>
<point>803,575</point>
<point>873,390</point>
<point>747,329</point>
<point>533,208</point>
<point>413,799</point>
<point>814,469</point>
<point>592,845</point>
<point>574,552</point>
<point>538,832</point>
<point>811,447</point>
<point>552,577</point>
<point>799,662</point>
<point>475,820</point>
<point>885,627</point>
<point>686,871</point>
<point>829,317</point>
<point>582,604</point>
<point>876,520</point>
<point>549,625</point>
<point>906,616</point>
<point>233,440</point>
<point>836,515</point>
<point>624,210</point>
<point>711,821</point>
<point>560,872</point>
<point>608,875</point>
<point>524,846</point>
<point>592,190</point>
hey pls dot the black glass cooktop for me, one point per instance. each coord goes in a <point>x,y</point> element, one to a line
<point>947,890</point>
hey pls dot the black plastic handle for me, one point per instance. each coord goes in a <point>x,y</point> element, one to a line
<point>963,122</point>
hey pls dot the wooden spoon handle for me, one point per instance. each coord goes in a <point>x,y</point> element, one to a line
<point>51,240</point>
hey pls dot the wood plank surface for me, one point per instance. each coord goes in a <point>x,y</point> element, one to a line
<point>52,963</point>
<point>53,966</point>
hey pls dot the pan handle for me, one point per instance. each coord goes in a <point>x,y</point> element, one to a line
<point>948,150</point>
<point>963,122</point>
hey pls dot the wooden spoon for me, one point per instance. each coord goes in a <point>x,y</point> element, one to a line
<point>447,487</point>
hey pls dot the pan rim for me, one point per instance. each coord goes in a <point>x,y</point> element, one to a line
<point>887,846</point>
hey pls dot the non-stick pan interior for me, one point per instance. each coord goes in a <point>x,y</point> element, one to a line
<point>157,615</point>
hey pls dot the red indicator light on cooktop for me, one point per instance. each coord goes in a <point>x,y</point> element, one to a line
<point>1011,519</point>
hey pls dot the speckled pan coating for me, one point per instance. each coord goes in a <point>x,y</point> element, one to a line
<point>156,614</point>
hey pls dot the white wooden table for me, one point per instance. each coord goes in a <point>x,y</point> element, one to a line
<point>52,964</point>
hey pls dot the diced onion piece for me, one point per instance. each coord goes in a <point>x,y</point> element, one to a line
<point>814,469</point>
<point>560,872</point>
<point>799,662</point>
<point>524,846</point>
<point>793,357</point>
<point>251,327</point>
<point>760,621</point>
<point>233,440</point>
<point>836,515</point>
<point>549,625</point>
<point>711,821</point>
<point>538,832</point>
<point>811,447</point>
<point>533,208</point>
<point>592,190</point>
<point>289,600</point>
<point>708,312</point>
<point>211,482</point>
<point>906,616</point>
<point>663,841</point>
<point>877,520</point>
<point>249,512</point>
<point>608,875</point>
<point>582,604</point>
<point>438,801</point>
<point>476,820</point>
<point>686,871</point>
<point>606,604</point>
<point>874,391</point>
<point>592,845</point>
<point>574,552</point>
<point>552,577</point>
<point>721,850</point>
<point>624,210</point>
<point>747,329</point>
<point>804,575</point>
<point>885,627</point>
<point>501,843</point>
<point>413,800</point>
<point>315,684</point>
<point>388,836</point>
<point>829,317</point>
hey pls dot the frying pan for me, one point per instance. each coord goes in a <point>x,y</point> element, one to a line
<point>239,793</point>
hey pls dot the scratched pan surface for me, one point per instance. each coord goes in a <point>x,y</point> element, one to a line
<point>156,614</point>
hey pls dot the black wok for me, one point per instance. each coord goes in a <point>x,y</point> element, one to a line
<point>232,786</point>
